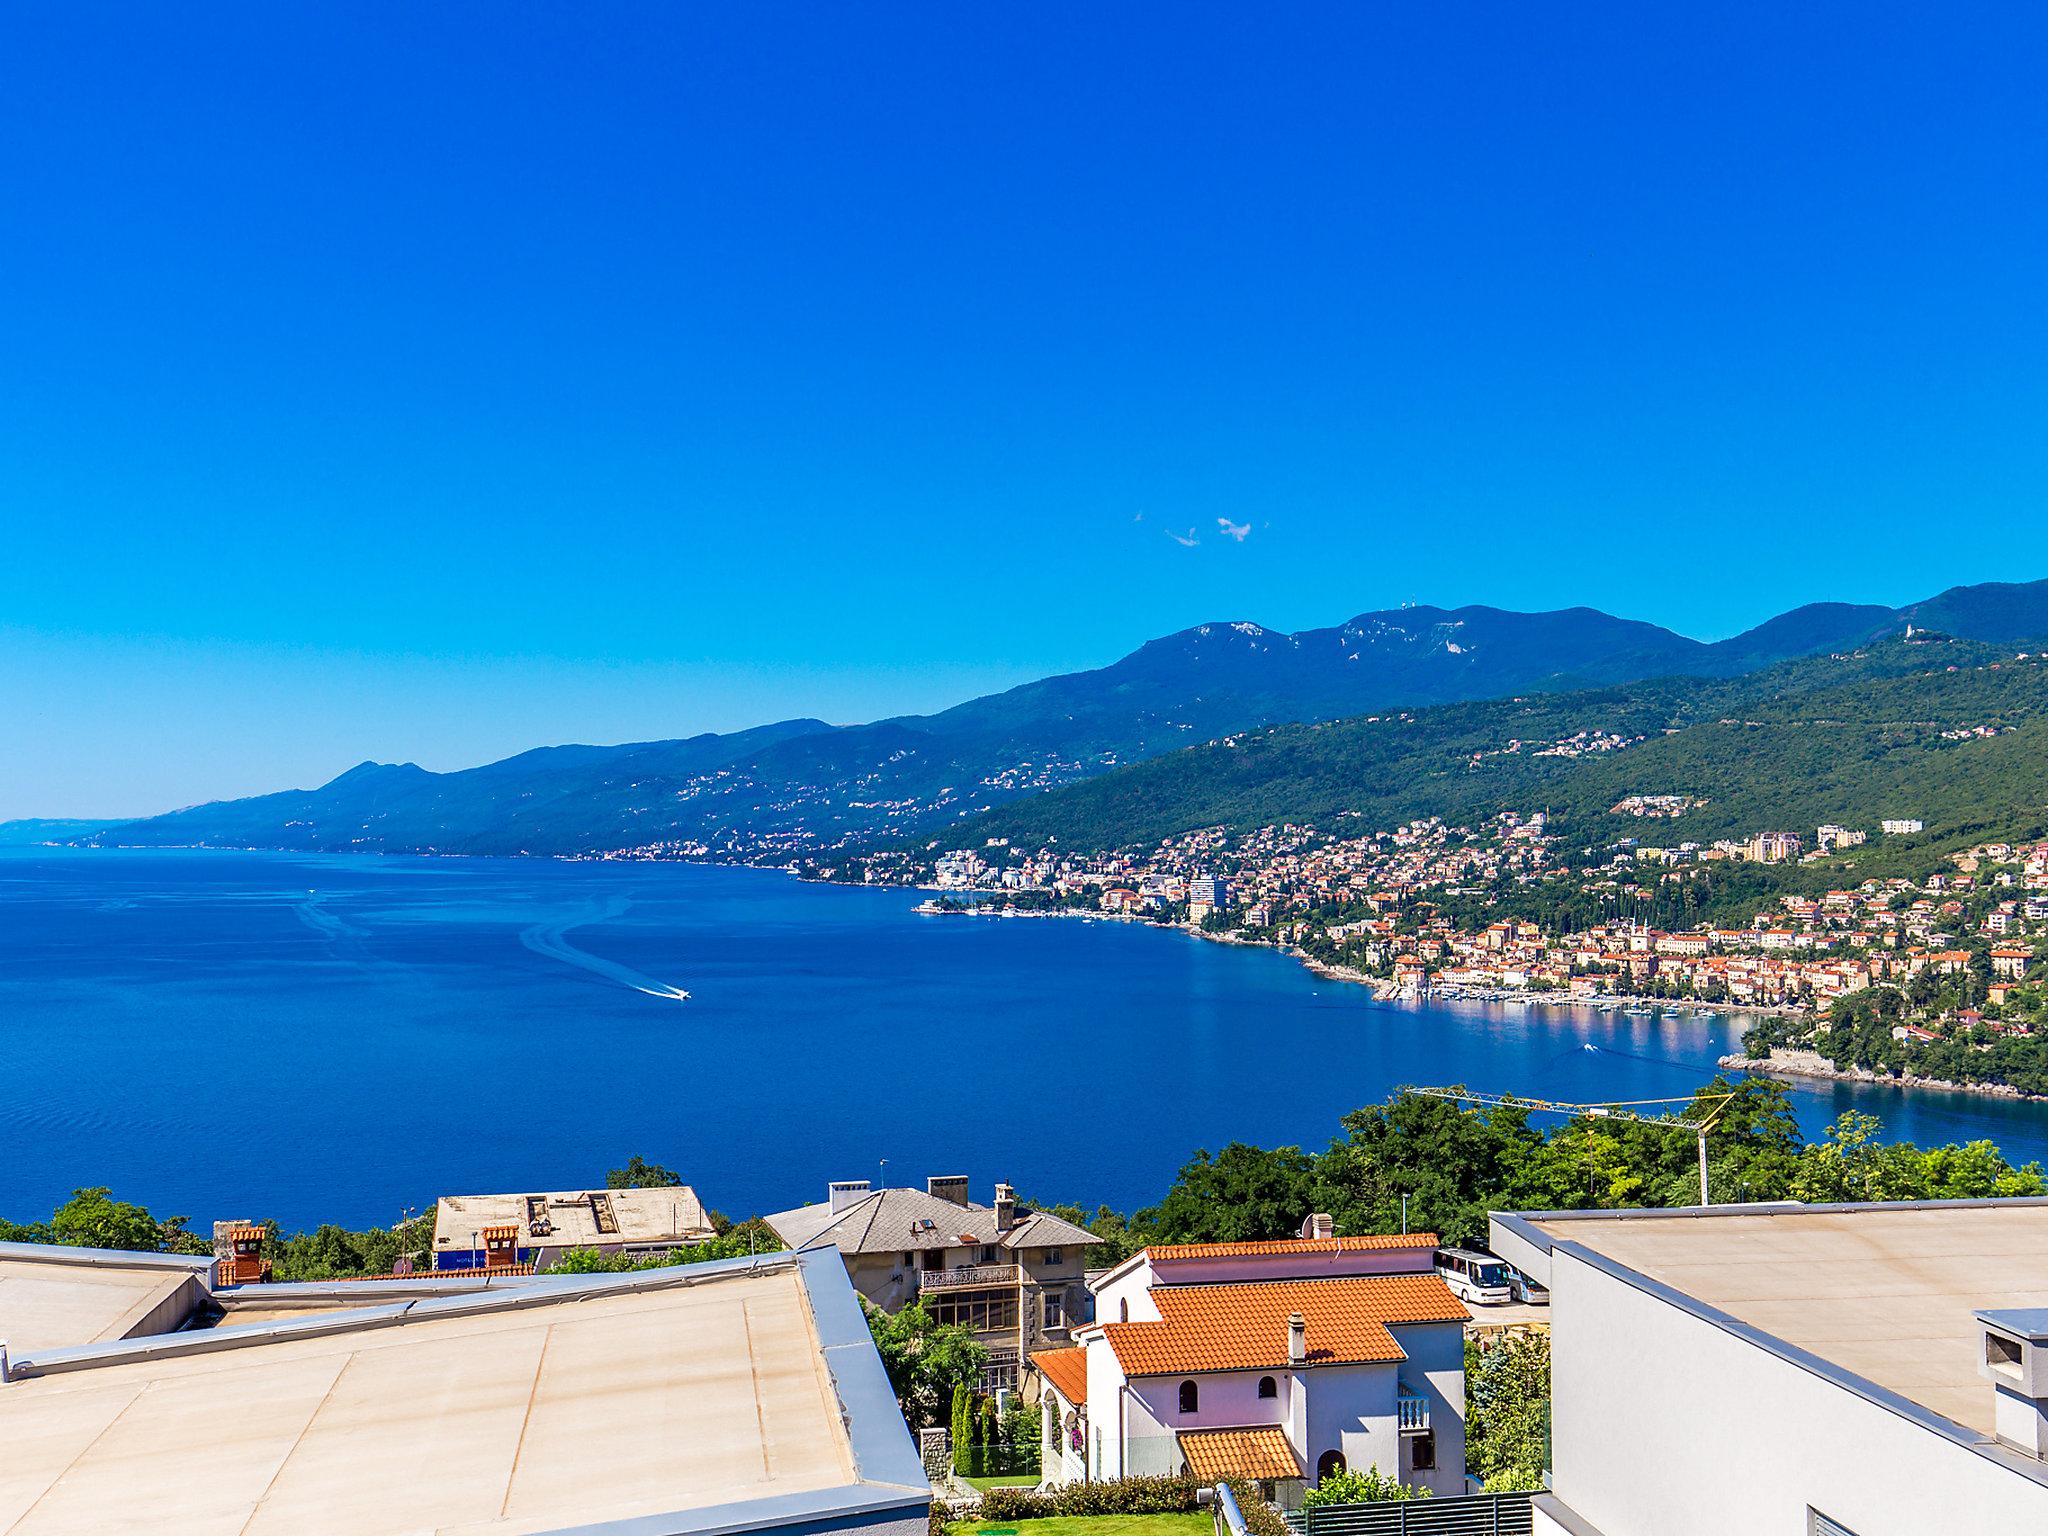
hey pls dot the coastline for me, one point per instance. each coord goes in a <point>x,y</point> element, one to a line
<point>1786,1062</point>
<point>1383,989</point>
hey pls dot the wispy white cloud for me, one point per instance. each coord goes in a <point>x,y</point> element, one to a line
<point>1232,530</point>
<point>1184,540</point>
<point>1139,518</point>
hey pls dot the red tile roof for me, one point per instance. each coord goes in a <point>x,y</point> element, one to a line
<point>1244,1327</point>
<point>1214,1454</point>
<point>1293,1245</point>
<point>1067,1370</point>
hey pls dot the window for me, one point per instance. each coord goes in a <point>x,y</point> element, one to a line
<point>1268,1387</point>
<point>1055,1256</point>
<point>1055,1313</point>
<point>1123,1311</point>
<point>1330,1465</point>
<point>1190,1397</point>
<point>1422,1451</point>
<point>988,1253</point>
<point>910,1261</point>
<point>1818,1524</point>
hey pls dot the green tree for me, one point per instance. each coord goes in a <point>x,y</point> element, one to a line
<point>925,1360</point>
<point>641,1174</point>
<point>1243,1194</point>
<point>1507,1412</point>
<point>93,1218</point>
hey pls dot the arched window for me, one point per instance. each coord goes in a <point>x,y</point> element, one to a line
<point>1332,1463</point>
<point>1123,1311</point>
<point>1190,1397</point>
<point>1268,1387</point>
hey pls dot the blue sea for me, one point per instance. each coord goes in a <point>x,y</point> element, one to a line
<point>345,1038</point>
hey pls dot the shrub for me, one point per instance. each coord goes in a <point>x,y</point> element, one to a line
<point>1367,1487</point>
<point>1260,1518</point>
<point>1124,1496</point>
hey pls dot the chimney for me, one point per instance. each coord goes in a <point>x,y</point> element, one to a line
<point>845,1192</point>
<point>1006,1207</point>
<point>1297,1340</point>
<point>2015,1360</point>
<point>1318,1225</point>
<point>951,1188</point>
<point>501,1247</point>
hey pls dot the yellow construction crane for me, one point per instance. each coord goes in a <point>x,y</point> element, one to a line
<point>1615,1110</point>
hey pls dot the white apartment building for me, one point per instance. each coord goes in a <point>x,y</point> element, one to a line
<point>1275,1361</point>
<point>1793,1370</point>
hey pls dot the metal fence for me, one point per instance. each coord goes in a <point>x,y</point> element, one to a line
<point>1480,1514</point>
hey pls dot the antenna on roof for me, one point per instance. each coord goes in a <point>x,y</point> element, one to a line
<point>882,1181</point>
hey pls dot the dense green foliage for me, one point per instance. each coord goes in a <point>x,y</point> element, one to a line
<point>1116,1496</point>
<point>987,1443</point>
<point>330,1252</point>
<point>641,1174</point>
<point>1857,1031</point>
<point>1847,739</point>
<point>749,1237</point>
<point>1507,1411</point>
<point>1455,1163</point>
<point>1371,1486</point>
<point>926,1360</point>
<point>93,1218</point>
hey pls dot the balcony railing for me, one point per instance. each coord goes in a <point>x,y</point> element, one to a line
<point>1413,1408</point>
<point>965,1276</point>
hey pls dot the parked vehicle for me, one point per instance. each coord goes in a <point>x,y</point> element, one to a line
<point>1527,1291</point>
<point>1475,1277</point>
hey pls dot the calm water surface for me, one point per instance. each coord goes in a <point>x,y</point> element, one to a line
<point>317,1038</point>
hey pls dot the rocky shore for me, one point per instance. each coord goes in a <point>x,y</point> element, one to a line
<point>1786,1062</point>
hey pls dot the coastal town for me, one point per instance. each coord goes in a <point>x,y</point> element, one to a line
<point>1506,911</point>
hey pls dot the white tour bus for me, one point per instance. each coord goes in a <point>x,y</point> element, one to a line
<point>1474,1277</point>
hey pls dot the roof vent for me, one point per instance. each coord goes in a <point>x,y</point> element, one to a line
<point>952,1188</point>
<point>2015,1361</point>
<point>1318,1225</point>
<point>846,1192</point>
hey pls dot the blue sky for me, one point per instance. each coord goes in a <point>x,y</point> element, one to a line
<point>431,382</point>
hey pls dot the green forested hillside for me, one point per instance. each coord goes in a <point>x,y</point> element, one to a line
<point>1850,739</point>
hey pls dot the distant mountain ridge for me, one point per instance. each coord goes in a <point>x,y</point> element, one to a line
<point>805,787</point>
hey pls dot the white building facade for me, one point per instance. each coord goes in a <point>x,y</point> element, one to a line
<point>1276,1361</point>
<point>1791,1370</point>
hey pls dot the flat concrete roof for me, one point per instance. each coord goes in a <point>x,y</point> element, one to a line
<point>568,1218</point>
<point>562,1403</point>
<point>53,1297</point>
<point>1886,1292</point>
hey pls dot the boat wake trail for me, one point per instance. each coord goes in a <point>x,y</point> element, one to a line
<point>551,940</point>
<point>345,937</point>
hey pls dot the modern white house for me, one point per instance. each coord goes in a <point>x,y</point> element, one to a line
<point>1276,1361</point>
<point>1789,1370</point>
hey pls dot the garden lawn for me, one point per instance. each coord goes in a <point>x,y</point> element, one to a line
<point>1195,1522</point>
<point>1015,1480</point>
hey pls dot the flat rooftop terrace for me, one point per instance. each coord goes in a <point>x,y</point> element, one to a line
<point>563,1404</point>
<point>1885,1292</point>
<point>51,1298</point>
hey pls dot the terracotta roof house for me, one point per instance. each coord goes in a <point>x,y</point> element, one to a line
<point>1277,1361</point>
<point>1010,1274</point>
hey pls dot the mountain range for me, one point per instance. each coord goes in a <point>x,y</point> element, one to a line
<point>805,788</point>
